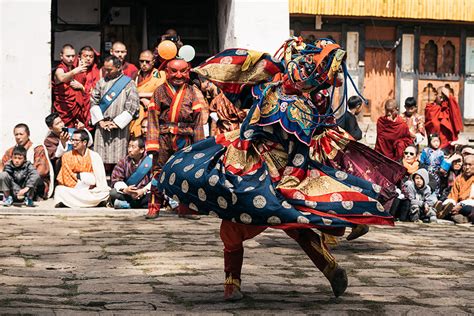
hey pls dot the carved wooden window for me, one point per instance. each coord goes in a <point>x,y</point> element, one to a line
<point>449,52</point>
<point>430,63</point>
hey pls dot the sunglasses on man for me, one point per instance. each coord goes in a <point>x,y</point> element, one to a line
<point>145,62</point>
<point>409,153</point>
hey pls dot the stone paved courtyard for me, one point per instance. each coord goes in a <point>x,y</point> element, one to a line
<point>73,261</point>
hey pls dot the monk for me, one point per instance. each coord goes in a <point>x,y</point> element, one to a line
<point>35,154</point>
<point>393,134</point>
<point>119,50</point>
<point>82,181</point>
<point>89,57</point>
<point>443,117</point>
<point>148,79</point>
<point>175,121</point>
<point>67,90</point>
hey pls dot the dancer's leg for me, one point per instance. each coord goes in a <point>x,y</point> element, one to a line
<point>233,235</point>
<point>319,254</point>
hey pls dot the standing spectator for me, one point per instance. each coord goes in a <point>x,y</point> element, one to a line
<point>131,178</point>
<point>460,203</point>
<point>90,58</point>
<point>82,181</point>
<point>35,154</point>
<point>443,117</point>
<point>348,121</point>
<point>19,179</point>
<point>114,102</point>
<point>393,135</point>
<point>119,50</point>
<point>147,81</point>
<point>432,158</point>
<point>144,127</point>
<point>421,199</point>
<point>415,121</point>
<point>67,91</point>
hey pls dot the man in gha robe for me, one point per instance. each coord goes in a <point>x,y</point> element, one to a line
<point>81,180</point>
<point>114,103</point>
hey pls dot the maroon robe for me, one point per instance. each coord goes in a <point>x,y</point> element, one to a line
<point>392,137</point>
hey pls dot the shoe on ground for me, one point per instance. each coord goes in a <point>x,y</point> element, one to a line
<point>232,291</point>
<point>445,211</point>
<point>459,219</point>
<point>190,216</point>
<point>338,281</point>
<point>358,231</point>
<point>120,205</point>
<point>152,214</point>
<point>8,201</point>
<point>29,202</point>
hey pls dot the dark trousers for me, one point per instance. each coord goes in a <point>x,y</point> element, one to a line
<point>401,209</point>
<point>140,203</point>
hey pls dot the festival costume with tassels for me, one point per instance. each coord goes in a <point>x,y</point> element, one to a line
<point>289,166</point>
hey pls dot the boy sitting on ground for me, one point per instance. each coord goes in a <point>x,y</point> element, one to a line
<point>19,179</point>
<point>421,198</point>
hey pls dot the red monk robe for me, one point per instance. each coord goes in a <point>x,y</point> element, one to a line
<point>89,80</point>
<point>393,136</point>
<point>444,119</point>
<point>67,101</point>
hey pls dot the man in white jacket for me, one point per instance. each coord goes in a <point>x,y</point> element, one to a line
<point>82,181</point>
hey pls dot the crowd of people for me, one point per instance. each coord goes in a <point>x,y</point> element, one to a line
<point>113,125</point>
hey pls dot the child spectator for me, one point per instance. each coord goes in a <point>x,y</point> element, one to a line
<point>19,179</point>
<point>431,159</point>
<point>451,168</point>
<point>421,198</point>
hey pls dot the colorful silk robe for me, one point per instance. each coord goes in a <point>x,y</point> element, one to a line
<point>274,171</point>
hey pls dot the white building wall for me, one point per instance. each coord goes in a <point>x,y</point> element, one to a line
<point>261,25</point>
<point>25,66</point>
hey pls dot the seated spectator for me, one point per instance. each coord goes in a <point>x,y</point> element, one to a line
<point>34,154</point>
<point>410,159</point>
<point>421,199</point>
<point>451,168</point>
<point>431,159</point>
<point>131,177</point>
<point>82,181</point>
<point>19,179</point>
<point>348,121</point>
<point>393,135</point>
<point>460,203</point>
<point>58,140</point>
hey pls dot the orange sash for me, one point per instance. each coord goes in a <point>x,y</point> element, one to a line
<point>175,106</point>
